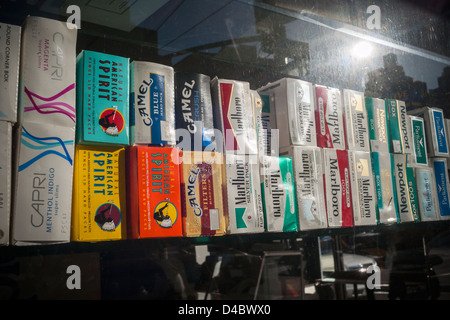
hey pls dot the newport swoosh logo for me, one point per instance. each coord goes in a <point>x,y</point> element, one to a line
<point>44,143</point>
<point>50,105</point>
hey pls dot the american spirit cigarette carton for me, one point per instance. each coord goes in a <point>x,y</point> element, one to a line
<point>329,118</point>
<point>43,184</point>
<point>378,125</point>
<point>202,194</point>
<point>47,72</point>
<point>419,156</point>
<point>435,130</point>
<point>294,109</point>
<point>442,186</point>
<point>399,127</point>
<point>5,180</point>
<point>363,188</point>
<point>154,198</point>
<point>309,185</point>
<point>233,115</point>
<point>356,124</point>
<point>99,208</point>
<point>9,70</point>
<point>102,99</point>
<point>279,198</point>
<point>194,113</point>
<point>426,193</point>
<point>245,212</point>
<point>152,98</point>
<point>338,192</point>
<point>408,207</point>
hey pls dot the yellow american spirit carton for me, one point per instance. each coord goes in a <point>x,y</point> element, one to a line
<point>5,180</point>
<point>399,126</point>
<point>356,124</point>
<point>99,194</point>
<point>378,124</point>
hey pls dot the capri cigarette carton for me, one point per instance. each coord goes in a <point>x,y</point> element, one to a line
<point>399,126</point>
<point>419,156</point>
<point>378,125</point>
<point>408,207</point>
<point>442,186</point>
<point>426,193</point>
<point>5,180</point>
<point>356,124</point>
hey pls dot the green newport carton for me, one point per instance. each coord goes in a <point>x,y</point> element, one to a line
<point>408,206</point>
<point>399,126</point>
<point>378,124</point>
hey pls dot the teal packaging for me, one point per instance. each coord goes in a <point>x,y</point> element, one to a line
<point>429,208</point>
<point>102,99</point>
<point>419,155</point>
<point>399,126</point>
<point>378,124</point>
<point>408,207</point>
<point>442,186</point>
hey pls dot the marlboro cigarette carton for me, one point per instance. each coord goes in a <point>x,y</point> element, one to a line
<point>202,194</point>
<point>399,126</point>
<point>47,72</point>
<point>338,191</point>
<point>385,187</point>
<point>265,125</point>
<point>356,124</point>
<point>5,180</point>
<point>99,194</point>
<point>154,198</point>
<point>152,114</point>
<point>363,188</point>
<point>43,184</point>
<point>9,70</point>
<point>102,99</point>
<point>194,113</point>
<point>442,186</point>
<point>329,118</point>
<point>232,113</point>
<point>245,212</point>
<point>378,125</point>
<point>294,109</point>
<point>408,207</point>
<point>427,196</point>
<point>279,198</point>
<point>419,155</point>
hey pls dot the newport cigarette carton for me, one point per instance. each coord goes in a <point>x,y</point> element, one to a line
<point>102,99</point>
<point>153,192</point>
<point>385,187</point>
<point>329,118</point>
<point>378,124</point>
<point>5,180</point>
<point>99,197</point>
<point>294,109</point>
<point>47,72</point>
<point>245,212</point>
<point>152,112</point>
<point>363,188</point>
<point>442,186</point>
<point>408,207</point>
<point>399,127</point>
<point>338,192</point>
<point>426,193</point>
<point>9,70</point>
<point>42,184</point>
<point>419,156</point>
<point>356,123</point>
<point>233,116</point>
<point>279,198</point>
<point>309,185</point>
<point>194,113</point>
<point>202,194</point>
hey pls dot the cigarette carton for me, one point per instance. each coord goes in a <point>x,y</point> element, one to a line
<point>356,124</point>
<point>338,193</point>
<point>442,186</point>
<point>43,184</point>
<point>265,125</point>
<point>294,109</point>
<point>399,126</point>
<point>99,197</point>
<point>245,212</point>
<point>233,116</point>
<point>202,194</point>
<point>378,125</point>
<point>383,170</point>
<point>154,198</point>
<point>102,99</point>
<point>47,72</point>
<point>408,207</point>
<point>152,112</point>
<point>427,196</point>
<point>363,188</point>
<point>9,70</point>
<point>329,118</point>
<point>5,180</point>
<point>419,155</point>
<point>309,185</point>
<point>194,113</point>
<point>279,198</point>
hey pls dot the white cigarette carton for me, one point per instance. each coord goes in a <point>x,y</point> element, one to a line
<point>408,207</point>
<point>378,125</point>
<point>399,126</point>
<point>245,209</point>
<point>427,196</point>
<point>47,72</point>
<point>363,188</point>
<point>442,186</point>
<point>294,109</point>
<point>5,180</point>
<point>9,70</point>
<point>43,184</point>
<point>356,124</point>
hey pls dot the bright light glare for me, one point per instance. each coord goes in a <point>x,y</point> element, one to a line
<point>362,49</point>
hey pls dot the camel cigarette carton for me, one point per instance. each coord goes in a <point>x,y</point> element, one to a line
<point>356,124</point>
<point>442,186</point>
<point>426,193</point>
<point>399,127</point>
<point>408,207</point>
<point>419,156</point>
<point>5,180</point>
<point>378,125</point>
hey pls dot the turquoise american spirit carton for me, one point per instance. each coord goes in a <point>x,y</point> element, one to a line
<point>102,99</point>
